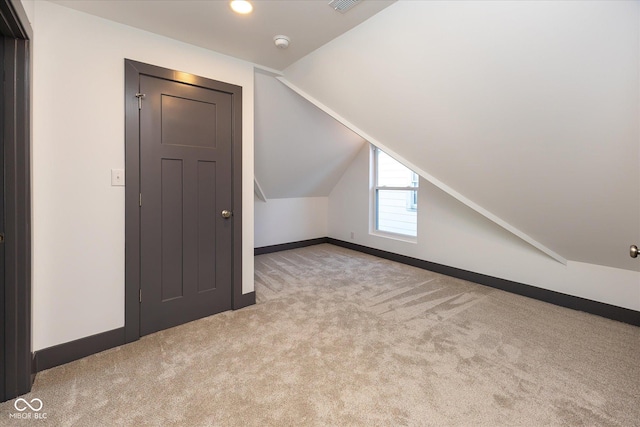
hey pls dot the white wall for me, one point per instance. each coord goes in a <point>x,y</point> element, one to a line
<point>290,220</point>
<point>29,9</point>
<point>452,234</point>
<point>78,136</point>
<point>299,150</point>
<point>528,109</point>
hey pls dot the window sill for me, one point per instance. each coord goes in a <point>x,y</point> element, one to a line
<point>394,236</point>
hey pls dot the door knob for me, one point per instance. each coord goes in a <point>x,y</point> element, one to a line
<point>226,214</point>
<point>633,251</point>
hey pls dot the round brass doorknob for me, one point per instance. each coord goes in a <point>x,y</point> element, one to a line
<point>633,251</point>
<point>226,214</point>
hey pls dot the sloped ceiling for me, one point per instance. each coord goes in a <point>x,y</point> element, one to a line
<point>299,150</point>
<point>212,25</point>
<point>529,109</point>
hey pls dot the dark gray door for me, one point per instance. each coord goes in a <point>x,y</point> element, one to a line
<point>185,183</point>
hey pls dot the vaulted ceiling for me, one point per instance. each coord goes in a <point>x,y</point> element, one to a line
<point>528,109</point>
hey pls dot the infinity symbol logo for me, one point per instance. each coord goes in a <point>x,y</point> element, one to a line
<point>22,405</point>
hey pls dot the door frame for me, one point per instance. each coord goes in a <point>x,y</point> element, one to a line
<point>16,359</point>
<point>133,71</point>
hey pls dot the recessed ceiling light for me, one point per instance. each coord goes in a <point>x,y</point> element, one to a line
<point>241,6</point>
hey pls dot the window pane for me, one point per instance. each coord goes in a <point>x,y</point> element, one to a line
<point>393,174</point>
<point>396,211</point>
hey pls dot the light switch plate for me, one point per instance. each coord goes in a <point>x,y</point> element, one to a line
<point>117,177</point>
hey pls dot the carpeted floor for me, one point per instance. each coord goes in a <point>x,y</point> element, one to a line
<point>339,338</point>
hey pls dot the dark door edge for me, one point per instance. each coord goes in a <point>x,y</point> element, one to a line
<point>132,212</point>
<point>15,23</point>
<point>17,374</point>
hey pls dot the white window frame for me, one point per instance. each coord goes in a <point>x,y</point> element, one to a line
<point>412,202</point>
<point>374,201</point>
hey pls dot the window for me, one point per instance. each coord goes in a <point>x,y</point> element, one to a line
<point>395,196</point>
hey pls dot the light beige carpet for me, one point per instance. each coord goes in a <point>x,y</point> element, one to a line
<point>339,338</point>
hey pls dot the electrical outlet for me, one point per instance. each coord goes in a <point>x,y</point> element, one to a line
<point>353,235</point>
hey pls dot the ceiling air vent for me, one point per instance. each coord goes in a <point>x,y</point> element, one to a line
<point>343,6</point>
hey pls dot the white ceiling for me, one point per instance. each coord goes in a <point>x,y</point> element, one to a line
<point>212,25</point>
